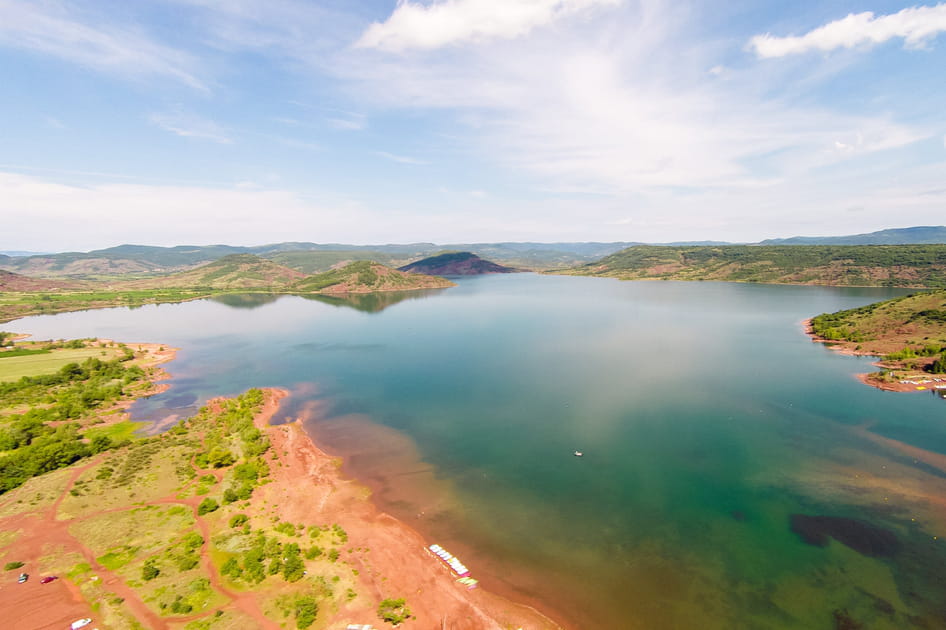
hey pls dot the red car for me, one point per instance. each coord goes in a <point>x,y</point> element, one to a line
<point>48,579</point>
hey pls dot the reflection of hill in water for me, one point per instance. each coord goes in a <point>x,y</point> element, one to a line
<point>246,300</point>
<point>372,302</point>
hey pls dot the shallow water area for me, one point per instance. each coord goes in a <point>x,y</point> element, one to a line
<point>709,424</point>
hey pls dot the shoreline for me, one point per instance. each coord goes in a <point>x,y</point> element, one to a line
<point>867,378</point>
<point>309,483</point>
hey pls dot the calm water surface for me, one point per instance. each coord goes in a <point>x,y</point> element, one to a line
<point>707,420</point>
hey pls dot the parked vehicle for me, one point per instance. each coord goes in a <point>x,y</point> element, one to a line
<point>48,579</point>
<point>23,577</point>
<point>80,623</point>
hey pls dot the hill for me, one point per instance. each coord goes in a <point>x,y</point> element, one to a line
<point>235,271</point>
<point>366,276</point>
<point>14,282</point>
<point>320,261</point>
<point>919,235</point>
<point>921,266</point>
<point>456,264</point>
<point>909,333</point>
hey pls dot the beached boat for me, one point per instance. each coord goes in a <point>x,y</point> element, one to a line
<point>450,560</point>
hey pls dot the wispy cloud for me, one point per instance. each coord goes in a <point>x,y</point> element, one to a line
<point>417,26</point>
<point>347,124</point>
<point>401,159</point>
<point>627,112</point>
<point>190,125</point>
<point>915,25</point>
<point>63,31</point>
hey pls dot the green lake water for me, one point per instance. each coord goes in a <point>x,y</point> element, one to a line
<point>705,416</point>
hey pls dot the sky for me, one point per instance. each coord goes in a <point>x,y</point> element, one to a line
<point>246,122</point>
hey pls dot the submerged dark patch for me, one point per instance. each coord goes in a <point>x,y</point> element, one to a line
<point>862,537</point>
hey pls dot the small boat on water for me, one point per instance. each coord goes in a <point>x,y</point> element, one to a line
<point>578,453</point>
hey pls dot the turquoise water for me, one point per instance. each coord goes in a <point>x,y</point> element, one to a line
<point>705,415</point>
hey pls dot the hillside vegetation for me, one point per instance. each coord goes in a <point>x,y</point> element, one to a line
<point>366,277</point>
<point>909,333</point>
<point>235,271</point>
<point>918,266</point>
<point>317,261</point>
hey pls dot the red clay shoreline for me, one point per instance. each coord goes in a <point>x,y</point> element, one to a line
<point>398,561</point>
<point>868,378</point>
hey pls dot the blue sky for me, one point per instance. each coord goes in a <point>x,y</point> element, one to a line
<point>255,121</point>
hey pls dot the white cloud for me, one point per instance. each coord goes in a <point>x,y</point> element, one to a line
<point>915,25</point>
<point>50,28</point>
<point>401,159</point>
<point>190,126</point>
<point>417,26</point>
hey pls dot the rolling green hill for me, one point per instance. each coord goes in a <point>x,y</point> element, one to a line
<point>235,271</point>
<point>922,266</point>
<point>366,277</point>
<point>320,261</point>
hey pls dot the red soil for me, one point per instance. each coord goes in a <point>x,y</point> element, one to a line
<point>306,486</point>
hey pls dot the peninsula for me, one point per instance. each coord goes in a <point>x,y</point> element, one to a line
<point>908,334</point>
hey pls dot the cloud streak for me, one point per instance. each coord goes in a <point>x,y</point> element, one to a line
<point>416,26</point>
<point>189,125</point>
<point>49,28</point>
<point>915,25</point>
<point>401,159</point>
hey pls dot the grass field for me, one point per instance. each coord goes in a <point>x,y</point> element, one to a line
<point>13,368</point>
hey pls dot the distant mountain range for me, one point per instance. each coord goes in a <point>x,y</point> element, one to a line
<point>920,235</point>
<point>145,260</point>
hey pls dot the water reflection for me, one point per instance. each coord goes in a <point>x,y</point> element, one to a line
<point>372,302</point>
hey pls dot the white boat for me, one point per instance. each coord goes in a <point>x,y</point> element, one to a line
<point>578,453</point>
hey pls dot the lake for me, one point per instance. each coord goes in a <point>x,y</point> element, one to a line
<point>734,474</point>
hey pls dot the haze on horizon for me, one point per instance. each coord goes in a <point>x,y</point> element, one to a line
<point>169,122</point>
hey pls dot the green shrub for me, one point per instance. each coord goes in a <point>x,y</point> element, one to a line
<point>149,571</point>
<point>307,609</point>
<point>394,611</point>
<point>206,506</point>
<point>9,566</point>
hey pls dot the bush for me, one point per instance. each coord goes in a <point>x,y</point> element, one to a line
<point>149,571</point>
<point>206,506</point>
<point>238,519</point>
<point>9,566</point>
<point>394,611</point>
